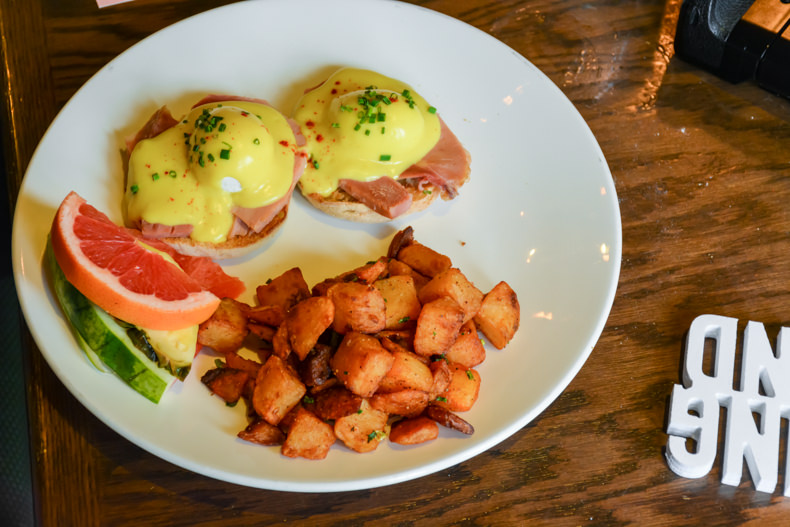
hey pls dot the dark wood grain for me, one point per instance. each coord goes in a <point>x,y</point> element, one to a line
<point>701,169</point>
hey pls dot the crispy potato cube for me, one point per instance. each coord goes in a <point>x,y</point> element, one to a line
<point>408,372</point>
<point>315,369</point>
<point>360,363</point>
<point>285,291</point>
<point>261,331</point>
<point>499,315</point>
<point>438,326</point>
<point>423,259</point>
<point>308,436</point>
<point>362,431</point>
<point>262,433</point>
<point>266,315</point>
<point>335,402</point>
<point>454,284</point>
<point>467,349</point>
<point>281,344</point>
<point>398,268</point>
<point>370,272</point>
<point>414,431</point>
<point>399,240</point>
<point>306,321</point>
<point>227,383</point>
<point>234,360</point>
<point>277,390</point>
<point>226,329</point>
<point>406,403</point>
<point>358,307</point>
<point>448,419</point>
<point>400,298</point>
<point>441,377</point>
<point>461,394</point>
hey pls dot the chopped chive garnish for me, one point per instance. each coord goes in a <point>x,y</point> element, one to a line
<point>384,157</point>
<point>172,173</point>
<point>367,132</point>
<point>134,189</point>
<point>335,125</point>
<point>224,153</point>
<point>470,375</point>
<point>357,127</point>
<point>222,127</point>
<point>256,141</point>
<point>381,117</point>
<point>211,157</point>
<point>431,109</point>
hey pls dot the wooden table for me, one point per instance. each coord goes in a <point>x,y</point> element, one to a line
<point>699,166</point>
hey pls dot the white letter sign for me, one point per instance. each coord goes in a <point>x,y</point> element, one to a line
<point>754,409</point>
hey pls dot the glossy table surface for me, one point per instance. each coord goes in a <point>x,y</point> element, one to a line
<point>698,165</point>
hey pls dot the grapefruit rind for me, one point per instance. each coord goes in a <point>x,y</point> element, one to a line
<point>107,339</point>
<point>101,287</point>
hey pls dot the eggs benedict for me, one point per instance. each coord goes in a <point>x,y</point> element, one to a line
<point>217,182</point>
<point>376,149</point>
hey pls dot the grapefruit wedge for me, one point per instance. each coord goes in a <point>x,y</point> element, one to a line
<point>123,274</point>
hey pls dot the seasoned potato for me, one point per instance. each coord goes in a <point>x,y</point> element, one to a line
<point>461,394</point>
<point>285,291</point>
<point>441,377</point>
<point>360,363</point>
<point>454,284</point>
<point>408,372</point>
<point>277,390</point>
<point>226,329</point>
<point>362,431</point>
<point>499,315</point>
<point>370,272</point>
<point>306,321</point>
<point>227,383</point>
<point>308,436</point>
<point>358,307</point>
<point>437,326</point>
<point>406,403</point>
<point>266,315</point>
<point>315,369</point>
<point>414,431</point>
<point>334,403</point>
<point>400,299</point>
<point>262,433</point>
<point>398,268</point>
<point>467,349</point>
<point>423,259</point>
<point>281,344</point>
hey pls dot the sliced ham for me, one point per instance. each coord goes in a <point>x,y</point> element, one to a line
<point>160,230</point>
<point>383,195</point>
<point>160,121</point>
<point>446,166</point>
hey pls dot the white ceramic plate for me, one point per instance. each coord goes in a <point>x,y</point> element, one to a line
<point>540,212</point>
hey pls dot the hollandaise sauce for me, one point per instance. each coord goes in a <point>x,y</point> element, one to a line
<point>362,125</point>
<point>221,155</point>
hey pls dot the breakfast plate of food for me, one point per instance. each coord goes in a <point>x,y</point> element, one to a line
<point>147,185</point>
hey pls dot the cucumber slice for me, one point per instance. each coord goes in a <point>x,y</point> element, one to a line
<point>101,333</point>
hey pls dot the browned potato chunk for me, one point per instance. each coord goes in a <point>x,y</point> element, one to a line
<point>277,390</point>
<point>360,363</point>
<point>262,433</point>
<point>437,326</point>
<point>441,377</point>
<point>408,372</point>
<point>499,315</point>
<point>424,260</point>
<point>406,403</point>
<point>226,329</point>
<point>315,369</point>
<point>261,331</point>
<point>454,284</point>
<point>306,321</point>
<point>266,315</point>
<point>234,360</point>
<point>447,419</point>
<point>358,307</point>
<point>400,299</point>
<point>281,344</point>
<point>335,402</point>
<point>461,394</point>
<point>308,436</point>
<point>227,383</point>
<point>362,431</point>
<point>285,291</point>
<point>414,431</point>
<point>371,272</point>
<point>467,349</point>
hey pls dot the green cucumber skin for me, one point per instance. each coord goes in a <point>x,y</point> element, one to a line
<point>107,338</point>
